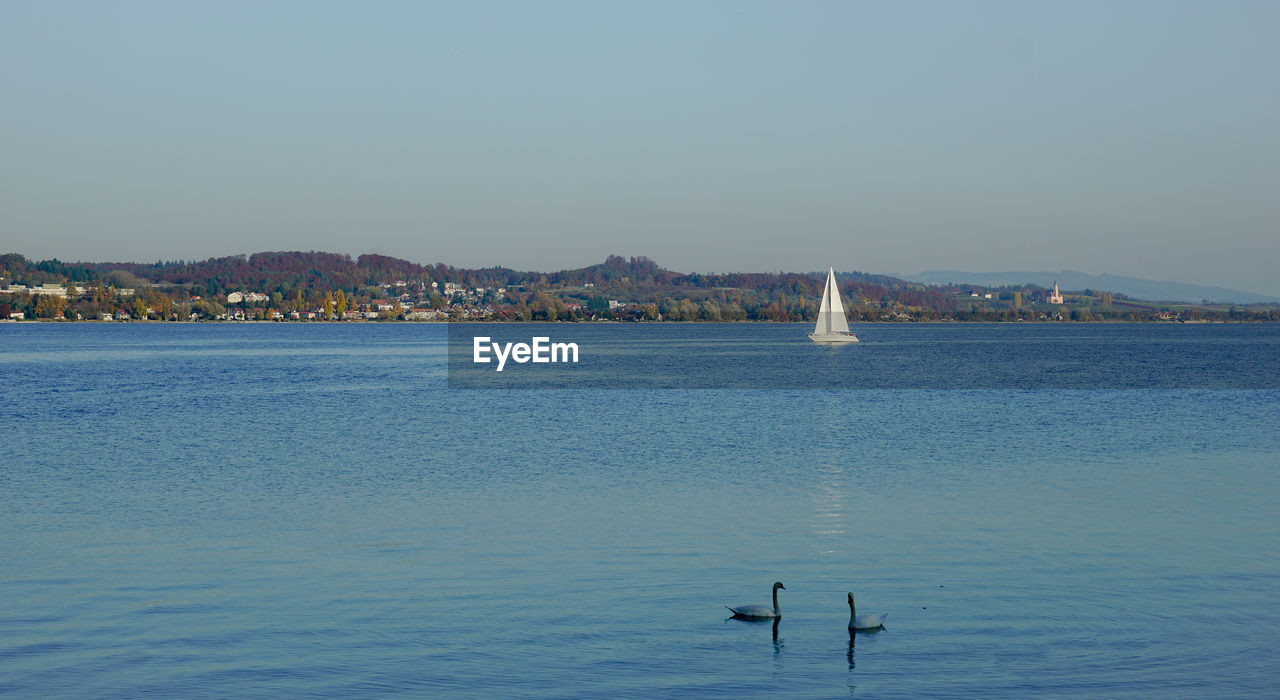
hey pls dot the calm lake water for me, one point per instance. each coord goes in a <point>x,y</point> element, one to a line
<point>309,510</point>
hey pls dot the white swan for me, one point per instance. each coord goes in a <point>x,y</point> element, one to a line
<point>761,611</point>
<point>864,622</point>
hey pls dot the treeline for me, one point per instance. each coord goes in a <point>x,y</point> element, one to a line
<point>287,272</point>
<point>620,288</point>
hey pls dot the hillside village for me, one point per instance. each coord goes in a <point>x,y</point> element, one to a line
<point>329,287</point>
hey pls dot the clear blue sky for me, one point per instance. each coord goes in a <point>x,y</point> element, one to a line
<point>1127,137</point>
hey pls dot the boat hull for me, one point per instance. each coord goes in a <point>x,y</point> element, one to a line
<point>833,338</point>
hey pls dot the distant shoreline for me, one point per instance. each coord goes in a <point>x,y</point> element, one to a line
<point>315,286</point>
<point>1194,322</point>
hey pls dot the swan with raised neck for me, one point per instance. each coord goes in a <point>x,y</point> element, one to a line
<point>864,622</point>
<point>761,611</point>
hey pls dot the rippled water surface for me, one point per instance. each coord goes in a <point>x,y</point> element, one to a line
<point>307,510</point>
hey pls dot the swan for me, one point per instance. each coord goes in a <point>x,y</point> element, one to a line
<point>760,611</point>
<point>864,622</point>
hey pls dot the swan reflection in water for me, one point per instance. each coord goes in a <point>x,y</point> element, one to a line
<point>854,634</point>
<point>772,622</point>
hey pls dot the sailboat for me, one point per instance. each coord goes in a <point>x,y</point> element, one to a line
<point>831,326</point>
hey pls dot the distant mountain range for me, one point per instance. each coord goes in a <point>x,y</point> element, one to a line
<point>1150,290</point>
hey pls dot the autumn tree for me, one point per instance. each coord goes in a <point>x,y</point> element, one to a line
<point>547,308</point>
<point>49,306</point>
<point>207,309</point>
<point>709,311</point>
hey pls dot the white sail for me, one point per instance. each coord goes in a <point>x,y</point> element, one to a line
<point>835,320</point>
<point>823,325</point>
<point>831,327</point>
